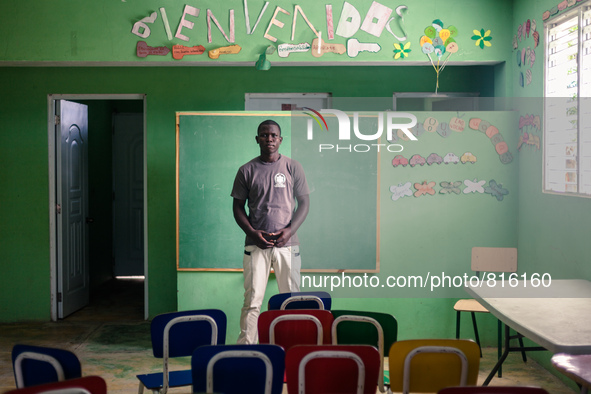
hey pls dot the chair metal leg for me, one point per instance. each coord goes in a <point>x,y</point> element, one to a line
<point>458,317</point>
<point>500,345</point>
<point>523,356</point>
<point>476,332</point>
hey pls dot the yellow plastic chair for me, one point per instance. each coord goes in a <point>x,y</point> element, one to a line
<point>429,365</point>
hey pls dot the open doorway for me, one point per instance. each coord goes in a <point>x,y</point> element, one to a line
<point>114,217</point>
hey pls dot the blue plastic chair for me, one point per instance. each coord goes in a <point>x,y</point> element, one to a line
<point>34,365</point>
<point>238,369</point>
<point>300,300</point>
<point>178,334</point>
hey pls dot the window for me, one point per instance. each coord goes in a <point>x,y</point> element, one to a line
<point>567,103</point>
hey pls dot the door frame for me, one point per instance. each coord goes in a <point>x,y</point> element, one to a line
<point>52,146</point>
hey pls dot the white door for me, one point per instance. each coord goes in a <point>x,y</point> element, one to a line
<point>72,206</point>
<point>128,195</point>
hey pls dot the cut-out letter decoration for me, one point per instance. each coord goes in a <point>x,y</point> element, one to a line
<point>400,191</point>
<point>354,47</point>
<point>211,17</point>
<point>399,10</point>
<point>349,22</point>
<point>166,24</point>
<point>329,22</point>
<point>318,51</point>
<point>298,10</point>
<point>474,186</point>
<point>424,188</point>
<point>376,19</point>
<point>496,190</point>
<point>275,22</point>
<point>229,50</point>
<point>247,18</point>
<point>189,10</point>
<point>179,51</point>
<point>141,29</point>
<point>143,50</point>
<point>283,50</point>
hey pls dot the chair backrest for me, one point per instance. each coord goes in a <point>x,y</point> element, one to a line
<point>288,328</point>
<point>494,259</point>
<point>239,369</point>
<point>366,328</point>
<point>354,332</point>
<point>493,390</point>
<point>314,369</point>
<point>429,365</point>
<point>85,385</point>
<point>300,300</point>
<point>187,330</point>
<point>34,365</point>
<point>178,334</point>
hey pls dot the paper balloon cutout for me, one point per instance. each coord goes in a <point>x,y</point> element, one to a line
<point>439,41</point>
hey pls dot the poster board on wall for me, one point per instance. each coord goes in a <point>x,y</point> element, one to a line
<point>341,230</point>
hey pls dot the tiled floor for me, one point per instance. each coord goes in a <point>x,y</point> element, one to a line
<point>112,340</point>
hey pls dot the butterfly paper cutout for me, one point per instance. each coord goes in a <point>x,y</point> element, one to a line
<point>474,186</point>
<point>424,188</point>
<point>450,187</point>
<point>496,190</point>
<point>401,190</point>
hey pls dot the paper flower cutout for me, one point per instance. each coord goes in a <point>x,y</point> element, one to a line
<point>482,38</point>
<point>401,51</point>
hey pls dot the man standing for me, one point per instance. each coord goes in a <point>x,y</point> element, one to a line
<point>271,183</point>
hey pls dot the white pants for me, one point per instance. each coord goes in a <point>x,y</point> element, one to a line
<point>257,265</point>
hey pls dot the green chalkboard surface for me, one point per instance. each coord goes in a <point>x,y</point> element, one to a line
<point>340,232</point>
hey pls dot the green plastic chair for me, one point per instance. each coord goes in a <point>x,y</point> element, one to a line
<point>361,328</point>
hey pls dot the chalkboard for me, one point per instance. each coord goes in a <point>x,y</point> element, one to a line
<point>341,230</point>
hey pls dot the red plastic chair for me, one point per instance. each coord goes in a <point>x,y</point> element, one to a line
<point>85,385</point>
<point>493,390</point>
<point>332,369</point>
<point>288,328</point>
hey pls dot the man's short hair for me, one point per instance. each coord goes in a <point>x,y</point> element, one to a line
<point>266,125</point>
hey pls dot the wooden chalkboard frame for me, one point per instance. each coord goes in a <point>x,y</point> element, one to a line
<point>369,269</point>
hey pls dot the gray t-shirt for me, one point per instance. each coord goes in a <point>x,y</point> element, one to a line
<point>270,189</point>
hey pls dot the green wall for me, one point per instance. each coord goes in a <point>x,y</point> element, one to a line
<point>24,190</point>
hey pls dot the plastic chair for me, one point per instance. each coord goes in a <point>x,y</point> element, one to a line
<point>300,300</point>
<point>178,334</point>
<point>576,366</point>
<point>238,369</point>
<point>288,328</point>
<point>366,328</point>
<point>34,365</point>
<point>429,365</point>
<point>85,385</point>
<point>487,260</point>
<point>493,390</point>
<point>332,369</point>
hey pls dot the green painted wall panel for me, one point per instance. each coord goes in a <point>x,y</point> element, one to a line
<point>24,191</point>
